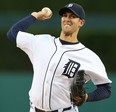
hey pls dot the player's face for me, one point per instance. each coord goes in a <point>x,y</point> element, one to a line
<point>70,23</point>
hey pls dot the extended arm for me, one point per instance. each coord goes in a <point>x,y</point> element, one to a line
<point>78,92</point>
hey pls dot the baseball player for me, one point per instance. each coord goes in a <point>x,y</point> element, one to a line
<point>56,60</point>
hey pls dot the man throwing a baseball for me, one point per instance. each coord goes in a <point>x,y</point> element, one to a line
<point>56,61</point>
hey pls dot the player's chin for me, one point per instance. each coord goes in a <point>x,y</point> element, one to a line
<point>67,33</point>
<point>66,29</point>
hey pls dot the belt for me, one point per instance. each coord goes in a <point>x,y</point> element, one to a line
<point>64,109</point>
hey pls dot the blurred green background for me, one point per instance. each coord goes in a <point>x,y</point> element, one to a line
<point>98,34</point>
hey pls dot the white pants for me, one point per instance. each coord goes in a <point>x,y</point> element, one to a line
<point>73,109</point>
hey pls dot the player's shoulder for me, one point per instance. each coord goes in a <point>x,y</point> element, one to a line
<point>45,37</point>
<point>90,52</point>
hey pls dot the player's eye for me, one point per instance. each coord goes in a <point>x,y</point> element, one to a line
<point>64,15</point>
<point>73,16</point>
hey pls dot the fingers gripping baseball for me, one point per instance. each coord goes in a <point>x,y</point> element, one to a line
<point>44,14</point>
<point>47,11</point>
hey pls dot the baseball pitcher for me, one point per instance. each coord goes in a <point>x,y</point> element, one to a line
<point>61,65</point>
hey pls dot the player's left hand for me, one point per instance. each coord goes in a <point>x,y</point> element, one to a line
<point>79,99</point>
<point>78,92</point>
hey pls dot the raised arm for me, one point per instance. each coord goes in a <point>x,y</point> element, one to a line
<point>26,22</point>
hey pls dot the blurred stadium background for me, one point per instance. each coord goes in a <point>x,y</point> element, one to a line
<point>99,34</point>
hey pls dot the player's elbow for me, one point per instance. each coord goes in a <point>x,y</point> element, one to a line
<point>109,93</point>
<point>11,36</point>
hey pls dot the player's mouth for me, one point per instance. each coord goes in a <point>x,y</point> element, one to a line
<point>67,25</point>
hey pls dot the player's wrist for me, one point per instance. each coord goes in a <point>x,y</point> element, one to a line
<point>34,14</point>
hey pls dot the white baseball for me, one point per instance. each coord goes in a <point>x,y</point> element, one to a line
<point>47,11</point>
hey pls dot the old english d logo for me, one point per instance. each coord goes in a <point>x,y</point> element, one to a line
<point>71,68</point>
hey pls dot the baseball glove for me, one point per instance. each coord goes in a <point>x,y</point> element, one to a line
<point>77,89</point>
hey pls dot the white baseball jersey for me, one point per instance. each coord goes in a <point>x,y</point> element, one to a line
<point>54,67</point>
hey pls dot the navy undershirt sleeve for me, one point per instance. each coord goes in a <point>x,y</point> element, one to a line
<point>103,91</point>
<point>21,25</point>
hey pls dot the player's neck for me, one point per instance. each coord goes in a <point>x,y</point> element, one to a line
<point>68,38</point>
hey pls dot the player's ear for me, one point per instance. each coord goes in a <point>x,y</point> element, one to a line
<point>82,22</point>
